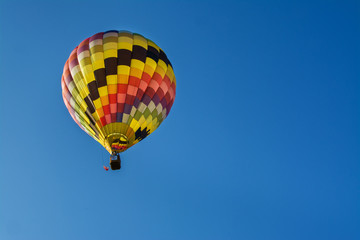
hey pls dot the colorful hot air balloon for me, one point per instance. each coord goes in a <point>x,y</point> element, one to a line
<point>118,87</point>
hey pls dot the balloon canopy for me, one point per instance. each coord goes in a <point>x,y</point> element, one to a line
<point>118,87</point>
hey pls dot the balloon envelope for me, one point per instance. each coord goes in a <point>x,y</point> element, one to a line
<point>118,87</point>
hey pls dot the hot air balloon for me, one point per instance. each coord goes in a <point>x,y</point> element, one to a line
<point>118,87</point>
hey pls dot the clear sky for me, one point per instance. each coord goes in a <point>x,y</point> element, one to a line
<point>262,141</point>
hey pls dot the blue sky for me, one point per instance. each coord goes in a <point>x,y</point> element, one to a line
<point>262,141</point>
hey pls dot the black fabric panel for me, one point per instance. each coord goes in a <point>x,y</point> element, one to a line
<point>93,89</point>
<point>139,53</point>
<point>89,104</point>
<point>111,66</point>
<point>153,53</point>
<point>141,134</point>
<point>163,57</point>
<point>124,57</point>
<point>100,77</point>
<point>92,121</point>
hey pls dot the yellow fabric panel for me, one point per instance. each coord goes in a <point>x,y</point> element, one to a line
<point>161,68</point>
<point>98,56</point>
<point>134,124</point>
<point>97,104</point>
<point>125,37</point>
<point>89,74</point>
<point>135,63</point>
<point>151,63</point>
<point>170,73</point>
<point>86,68</point>
<point>136,72</point>
<point>148,121</point>
<point>124,45</point>
<point>154,125</point>
<point>110,45</point>
<point>110,52</point>
<point>98,64</point>
<point>123,69</point>
<point>140,41</point>
<point>103,91</point>
<point>111,79</point>
<point>142,120</point>
<point>150,127</point>
<point>125,41</point>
